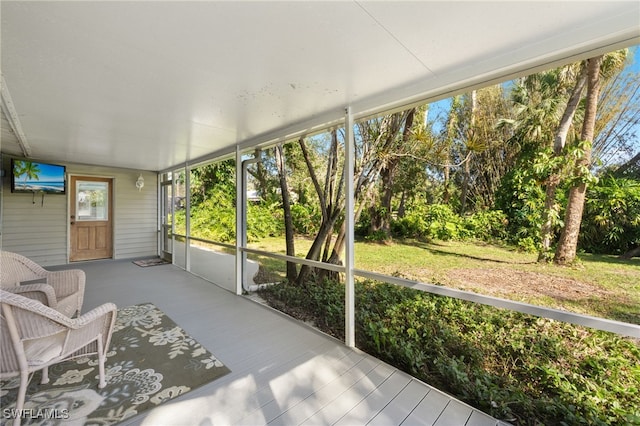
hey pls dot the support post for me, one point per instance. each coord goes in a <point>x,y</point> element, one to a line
<point>187,219</point>
<point>160,225</point>
<point>349,149</point>
<point>240,231</point>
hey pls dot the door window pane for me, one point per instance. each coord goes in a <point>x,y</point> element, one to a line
<point>92,200</point>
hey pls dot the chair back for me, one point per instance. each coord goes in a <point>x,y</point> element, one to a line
<point>15,268</point>
<point>22,319</point>
<point>9,363</point>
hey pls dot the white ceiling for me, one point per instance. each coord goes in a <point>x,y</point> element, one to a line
<point>149,85</point>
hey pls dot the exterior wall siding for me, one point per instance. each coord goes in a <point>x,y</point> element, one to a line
<point>38,228</point>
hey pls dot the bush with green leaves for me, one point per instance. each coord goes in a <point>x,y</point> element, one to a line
<point>521,197</point>
<point>487,225</point>
<point>214,218</point>
<point>433,221</point>
<point>440,222</point>
<point>264,220</point>
<point>444,224</point>
<point>611,219</point>
<point>412,225</point>
<point>306,219</point>
<point>517,367</point>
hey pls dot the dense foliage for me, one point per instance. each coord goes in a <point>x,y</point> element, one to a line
<point>611,222</point>
<point>516,367</point>
<point>440,222</point>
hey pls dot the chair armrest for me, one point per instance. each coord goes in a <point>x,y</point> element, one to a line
<point>106,309</point>
<point>26,310</point>
<point>96,325</point>
<point>43,293</point>
<point>79,322</point>
<point>67,282</point>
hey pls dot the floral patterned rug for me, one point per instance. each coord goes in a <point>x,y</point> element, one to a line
<point>151,360</point>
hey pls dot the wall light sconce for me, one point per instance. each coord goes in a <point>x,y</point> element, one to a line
<point>140,182</point>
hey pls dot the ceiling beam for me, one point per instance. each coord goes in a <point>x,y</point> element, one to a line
<point>11,114</point>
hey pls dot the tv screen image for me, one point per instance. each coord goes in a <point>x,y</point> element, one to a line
<point>32,176</point>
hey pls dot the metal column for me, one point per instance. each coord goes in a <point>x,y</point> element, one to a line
<point>349,299</point>
<point>240,231</point>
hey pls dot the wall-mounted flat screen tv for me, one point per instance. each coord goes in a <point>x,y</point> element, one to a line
<point>35,177</point>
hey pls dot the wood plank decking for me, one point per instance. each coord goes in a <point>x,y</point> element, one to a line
<point>282,371</point>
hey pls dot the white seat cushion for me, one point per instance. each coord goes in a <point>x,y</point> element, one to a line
<point>41,351</point>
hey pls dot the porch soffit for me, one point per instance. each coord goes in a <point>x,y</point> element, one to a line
<point>151,85</point>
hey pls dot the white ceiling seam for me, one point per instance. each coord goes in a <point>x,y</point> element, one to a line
<point>411,52</point>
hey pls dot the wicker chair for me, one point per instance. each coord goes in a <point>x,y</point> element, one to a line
<point>34,336</point>
<point>61,290</point>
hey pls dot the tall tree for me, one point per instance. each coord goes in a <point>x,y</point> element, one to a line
<point>551,208</point>
<point>544,104</point>
<point>398,145</point>
<point>568,243</point>
<point>331,199</point>
<point>493,154</point>
<point>448,140</point>
<point>286,208</point>
<point>377,145</point>
<point>599,70</point>
<point>471,141</point>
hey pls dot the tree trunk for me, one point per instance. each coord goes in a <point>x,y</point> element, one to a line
<point>329,198</point>
<point>381,215</point>
<point>631,253</point>
<point>559,141</point>
<point>445,193</point>
<point>326,228</point>
<point>452,125</point>
<point>402,206</point>
<point>286,208</point>
<point>464,192</point>
<point>384,213</point>
<point>568,243</point>
<point>465,186</point>
<point>550,211</point>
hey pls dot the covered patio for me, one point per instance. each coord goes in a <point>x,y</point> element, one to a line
<point>133,93</point>
<point>283,372</point>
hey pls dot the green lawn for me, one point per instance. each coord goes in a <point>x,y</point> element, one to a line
<point>598,285</point>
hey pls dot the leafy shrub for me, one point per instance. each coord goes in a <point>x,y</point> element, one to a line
<point>439,221</point>
<point>378,235</point>
<point>611,220</point>
<point>444,223</point>
<point>513,366</point>
<point>521,196</point>
<point>412,225</point>
<point>527,244</point>
<point>264,220</point>
<point>306,219</point>
<point>322,304</point>
<point>435,221</point>
<point>487,225</point>
<point>214,218</point>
